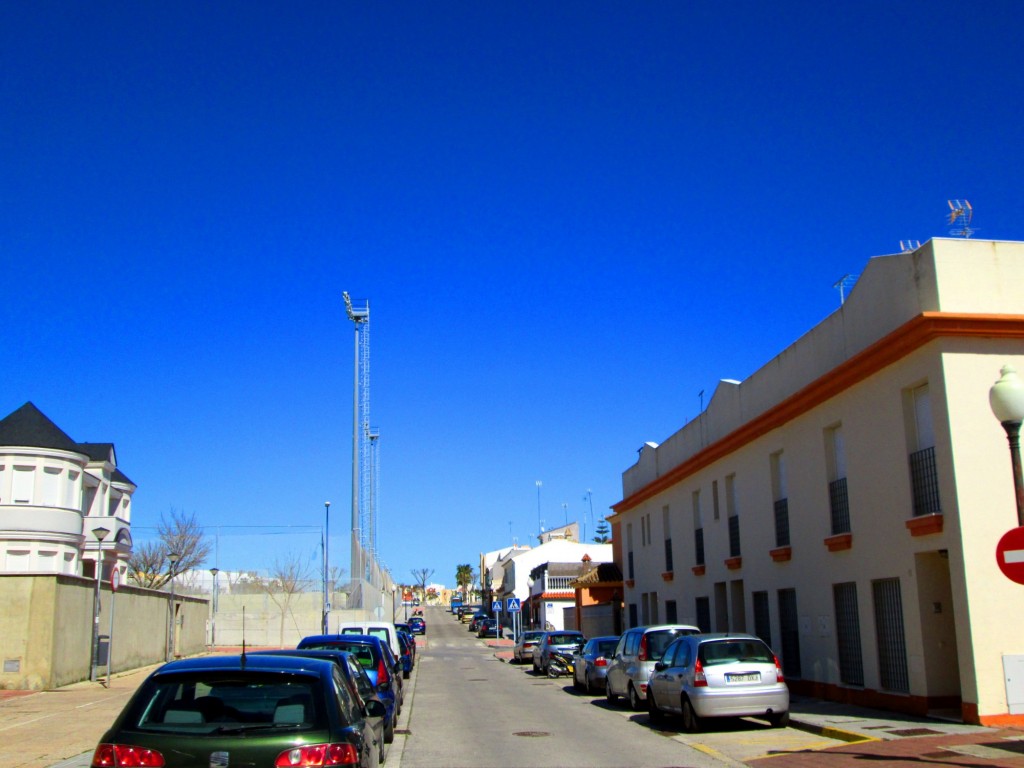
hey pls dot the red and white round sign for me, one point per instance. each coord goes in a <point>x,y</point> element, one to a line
<point>1010,555</point>
<point>115,579</point>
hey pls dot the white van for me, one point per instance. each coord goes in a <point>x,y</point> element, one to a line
<point>385,630</point>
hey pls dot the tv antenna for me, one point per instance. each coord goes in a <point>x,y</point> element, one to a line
<point>909,245</point>
<point>842,284</point>
<point>960,216</point>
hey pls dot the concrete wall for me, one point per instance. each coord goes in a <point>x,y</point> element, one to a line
<point>46,628</point>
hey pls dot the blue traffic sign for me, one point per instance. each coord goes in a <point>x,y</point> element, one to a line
<point>512,605</point>
<point>496,606</point>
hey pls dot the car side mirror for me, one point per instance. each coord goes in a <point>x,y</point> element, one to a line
<point>375,708</point>
<point>661,666</point>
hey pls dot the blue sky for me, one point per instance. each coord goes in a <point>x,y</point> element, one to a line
<point>568,218</point>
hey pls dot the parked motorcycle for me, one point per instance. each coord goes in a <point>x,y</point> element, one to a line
<point>560,663</point>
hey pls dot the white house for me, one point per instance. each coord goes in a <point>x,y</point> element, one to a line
<point>63,504</point>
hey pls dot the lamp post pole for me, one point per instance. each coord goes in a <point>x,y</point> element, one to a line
<point>394,591</point>
<point>325,624</point>
<point>100,533</point>
<point>1006,397</point>
<point>213,621</point>
<point>173,557</point>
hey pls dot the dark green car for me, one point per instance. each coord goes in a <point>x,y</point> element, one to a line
<point>252,711</point>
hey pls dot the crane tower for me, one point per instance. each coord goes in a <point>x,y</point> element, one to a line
<point>364,455</point>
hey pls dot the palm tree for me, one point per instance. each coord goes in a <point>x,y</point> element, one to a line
<point>464,577</point>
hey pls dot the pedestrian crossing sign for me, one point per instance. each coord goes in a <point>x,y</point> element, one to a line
<point>512,605</point>
<point>496,606</point>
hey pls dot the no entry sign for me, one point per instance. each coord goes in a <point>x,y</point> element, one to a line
<point>1010,554</point>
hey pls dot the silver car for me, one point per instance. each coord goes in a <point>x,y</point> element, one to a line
<point>568,641</point>
<point>722,675</point>
<point>635,655</point>
<point>522,652</point>
<point>590,663</point>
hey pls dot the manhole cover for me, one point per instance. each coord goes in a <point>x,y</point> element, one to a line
<point>531,734</point>
<point>914,732</point>
<point>476,680</point>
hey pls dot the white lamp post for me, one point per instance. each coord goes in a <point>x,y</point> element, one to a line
<point>100,533</point>
<point>1007,400</point>
<point>213,621</point>
<point>173,557</point>
<point>325,624</point>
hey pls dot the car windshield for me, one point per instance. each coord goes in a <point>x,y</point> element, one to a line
<point>732,651</point>
<point>606,647</point>
<point>566,639</point>
<point>658,641</point>
<point>361,652</point>
<point>207,703</point>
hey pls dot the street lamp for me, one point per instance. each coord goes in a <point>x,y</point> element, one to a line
<point>173,557</point>
<point>1007,400</point>
<point>394,592</point>
<point>324,625</point>
<point>100,533</point>
<point>213,621</point>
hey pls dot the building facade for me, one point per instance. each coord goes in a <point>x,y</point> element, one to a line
<point>63,504</point>
<point>844,503</point>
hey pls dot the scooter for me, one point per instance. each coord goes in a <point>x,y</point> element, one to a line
<point>560,663</point>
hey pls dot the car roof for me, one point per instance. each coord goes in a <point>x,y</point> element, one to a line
<point>362,639</point>
<point>658,627</point>
<point>250,661</point>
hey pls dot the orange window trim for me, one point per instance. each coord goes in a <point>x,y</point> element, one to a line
<point>909,337</point>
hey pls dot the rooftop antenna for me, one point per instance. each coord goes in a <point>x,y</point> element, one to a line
<point>909,245</point>
<point>842,284</point>
<point>960,215</point>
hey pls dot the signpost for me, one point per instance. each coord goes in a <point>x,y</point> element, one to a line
<point>512,606</point>
<point>115,582</point>
<point>1010,554</point>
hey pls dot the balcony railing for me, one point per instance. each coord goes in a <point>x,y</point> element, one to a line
<point>839,504</point>
<point>782,523</point>
<point>924,480</point>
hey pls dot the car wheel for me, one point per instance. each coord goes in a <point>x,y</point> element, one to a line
<point>779,719</point>
<point>381,757</point>
<point>389,730</point>
<point>405,674</point>
<point>588,685</point>
<point>609,696</point>
<point>634,699</point>
<point>576,684</point>
<point>691,723</point>
<point>657,716</point>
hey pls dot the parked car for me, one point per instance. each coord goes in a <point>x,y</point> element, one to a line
<point>418,625</point>
<point>488,628</point>
<point>354,675</point>
<point>636,653</point>
<point>385,630</point>
<point>567,640</point>
<point>474,623</point>
<point>590,663</point>
<point>721,675</point>
<point>375,657</point>
<point>260,710</point>
<point>522,651</point>
<point>408,654</point>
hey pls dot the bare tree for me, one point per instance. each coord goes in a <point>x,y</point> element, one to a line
<point>287,577</point>
<point>182,535</point>
<point>421,575</point>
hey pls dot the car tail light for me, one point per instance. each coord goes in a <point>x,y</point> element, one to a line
<point>126,756</point>
<point>383,675</point>
<point>699,680</point>
<point>642,655</point>
<point>318,754</point>
<point>778,670</point>
<point>600,661</point>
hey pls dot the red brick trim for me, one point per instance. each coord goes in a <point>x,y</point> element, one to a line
<point>667,575</point>
<point>699,570</point>
<point>734,563</point>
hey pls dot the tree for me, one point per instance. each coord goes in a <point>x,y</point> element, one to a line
<point>464,577</point>
<point>421,575</point>
<point>287,577</point>
<point>603,533</point>
<point>181,534</point>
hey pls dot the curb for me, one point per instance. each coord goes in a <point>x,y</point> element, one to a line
<point>828,732</point>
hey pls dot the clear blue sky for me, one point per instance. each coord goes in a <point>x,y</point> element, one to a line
<point>568,219</point>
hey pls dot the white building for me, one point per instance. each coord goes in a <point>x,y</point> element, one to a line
<point>61,502</point>
<point>845,501</point>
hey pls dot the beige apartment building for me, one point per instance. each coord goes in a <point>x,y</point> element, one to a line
<point>845,501</point>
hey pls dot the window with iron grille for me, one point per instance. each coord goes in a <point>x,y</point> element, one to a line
<point>734,536</point>
<point>671,615</point>
<point>698,545</point>
<point>924,480</point>
<point>704,614</point>
<point>762,620</point>
<point>632,616</point>
<point>892,643</point>
<point>668,554</point>
<point>839,504</point>
<point>630,565</point>
<point>789,630</point>
<point>851,663</point>
<point>782,523</point>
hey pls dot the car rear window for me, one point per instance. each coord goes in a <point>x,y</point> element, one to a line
<point>659,640</point>
<point>361,652</point>
<point>732,651</point>
<point>216,702</point>
<point>607,647</point>
<point>556,639</point>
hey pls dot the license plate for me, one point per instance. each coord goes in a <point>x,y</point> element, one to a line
<point>749,677</point>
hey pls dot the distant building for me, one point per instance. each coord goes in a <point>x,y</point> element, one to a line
<point>55,493</point>
<point>845,501</point>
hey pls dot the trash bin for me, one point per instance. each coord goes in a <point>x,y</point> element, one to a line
<point>102,650</point>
